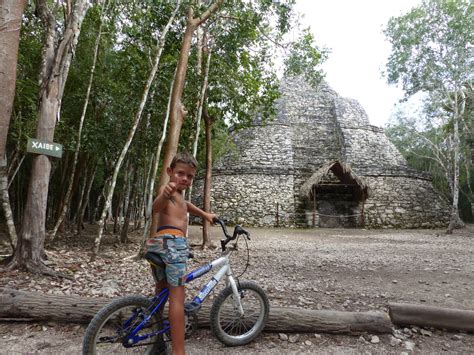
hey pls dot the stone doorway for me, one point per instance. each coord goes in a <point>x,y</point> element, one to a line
<point>334,197</point>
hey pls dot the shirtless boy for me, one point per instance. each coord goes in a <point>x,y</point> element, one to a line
<point>170,243</point>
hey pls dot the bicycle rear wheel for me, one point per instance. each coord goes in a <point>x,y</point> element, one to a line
<point>228,325</point>
<point>112,324</point>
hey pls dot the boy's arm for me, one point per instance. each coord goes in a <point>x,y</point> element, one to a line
<point>198,212</point>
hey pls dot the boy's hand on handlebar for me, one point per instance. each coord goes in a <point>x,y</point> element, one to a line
<point>210,217</point>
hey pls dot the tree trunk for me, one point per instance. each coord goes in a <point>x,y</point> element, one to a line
<point>208,120</point>
<point>12,177</point>
<point>200,101</point>
<point>206,237</point>
<point>57,204</point>
<point>85,201</point>
<point>427,316</point>
<point>120,198</point>
<point>151,77</point>
<point>124,231</point>
<point>20,305</point>
<point>6,206</point>
<point>11,12</point>
<point>82,189</point>
<point>150,217</point>
<point>57,56</point>
<point>455,220</point>
<point>67,199</point>
<point>177,110</point>
<point>17,305</point>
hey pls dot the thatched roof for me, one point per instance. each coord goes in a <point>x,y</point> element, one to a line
<point>342,170</point>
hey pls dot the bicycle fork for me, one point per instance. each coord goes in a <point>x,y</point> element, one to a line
<point>235,291</point>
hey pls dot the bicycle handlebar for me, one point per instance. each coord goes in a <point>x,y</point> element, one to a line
<point>238,230</point>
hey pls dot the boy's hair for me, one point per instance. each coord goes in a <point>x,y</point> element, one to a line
<point>184,158</point>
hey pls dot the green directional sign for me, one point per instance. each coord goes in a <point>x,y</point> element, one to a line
<point>46,148</point>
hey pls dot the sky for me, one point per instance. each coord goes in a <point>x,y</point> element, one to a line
<point>352,30</point>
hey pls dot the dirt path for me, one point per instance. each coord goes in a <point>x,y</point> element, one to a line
<point>339,269</point>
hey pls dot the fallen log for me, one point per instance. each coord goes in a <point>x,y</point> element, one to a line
<point>429,316</point>
<point>17,305</point>
<point>314,321</point>
<point>39,306</point>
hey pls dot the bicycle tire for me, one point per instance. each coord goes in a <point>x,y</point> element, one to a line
<point>122,309</point>
<point>240,330</point>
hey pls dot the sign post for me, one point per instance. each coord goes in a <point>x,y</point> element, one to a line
<point>45,148</point>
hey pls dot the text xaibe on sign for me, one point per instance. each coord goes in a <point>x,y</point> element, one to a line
<point>46,148</point>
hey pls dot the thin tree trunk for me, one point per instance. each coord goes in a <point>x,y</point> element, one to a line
<point>13,159</point>
<point>138,116</point>
<point>85,202</point>
<point>124,231</point>
<point>67,199</point>
<point>56,206</point>
<point>101,197</point>
<point>200,102</point>
<point>206,237</point>
<point>150,218</point>
<point>57,57</point>
<point>208,120</point>
<point>16,170</point>
<point>144,182</point>
<point>6,206</point>
<point>126,197</point>
<point>455,221</point>
<point>177,111</point>
<point>82,190</point>
<point>120,198</point>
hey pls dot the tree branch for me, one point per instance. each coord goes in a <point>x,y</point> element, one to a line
<point>213,8</point>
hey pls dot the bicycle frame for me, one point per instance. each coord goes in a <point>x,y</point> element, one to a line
<point>162,297</point>
<point>225,270</point>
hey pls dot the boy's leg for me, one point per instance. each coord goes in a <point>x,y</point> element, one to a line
<point>176,317</point>
<point>160,286</point>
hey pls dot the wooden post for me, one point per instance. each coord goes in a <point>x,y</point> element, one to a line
<point>314,207</point>
<point>277,215</point>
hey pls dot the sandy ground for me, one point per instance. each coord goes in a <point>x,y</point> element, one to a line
<point>338,269</point>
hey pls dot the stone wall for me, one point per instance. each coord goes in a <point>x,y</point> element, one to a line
<point>404,202</point>
<point>259,200</point>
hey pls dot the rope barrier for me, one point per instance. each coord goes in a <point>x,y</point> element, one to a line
<point>336,216</point>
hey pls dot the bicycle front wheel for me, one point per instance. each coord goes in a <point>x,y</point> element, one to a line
<point>113,323</point>
<point>228,324</point>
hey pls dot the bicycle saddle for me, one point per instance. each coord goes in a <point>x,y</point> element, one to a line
<point>154,259</point>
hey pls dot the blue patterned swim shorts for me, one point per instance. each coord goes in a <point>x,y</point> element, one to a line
<point>173,251</point>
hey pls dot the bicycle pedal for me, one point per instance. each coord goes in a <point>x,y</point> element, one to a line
<point>192,307</point>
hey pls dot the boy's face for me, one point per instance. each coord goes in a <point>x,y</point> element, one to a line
<point>182,175</point>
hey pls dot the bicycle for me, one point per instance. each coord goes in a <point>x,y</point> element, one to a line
<point>237,316</point>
